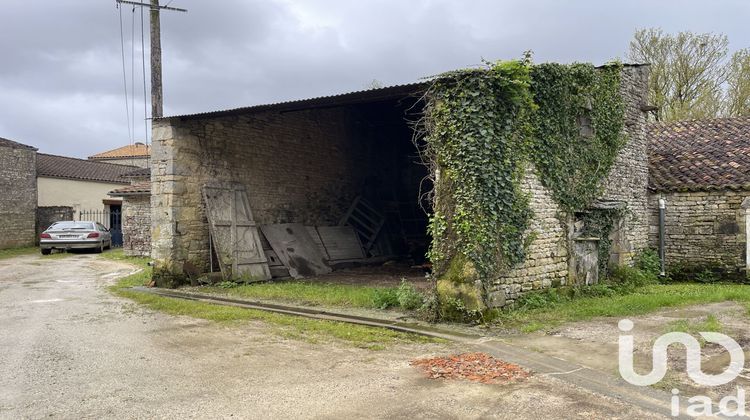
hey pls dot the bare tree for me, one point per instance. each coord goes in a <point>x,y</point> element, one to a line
<point>737,100</point>
<point>688,71</point>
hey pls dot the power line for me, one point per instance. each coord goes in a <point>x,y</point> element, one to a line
<point>132,70</point>
<point>124,74</point>
<point>143,65</point>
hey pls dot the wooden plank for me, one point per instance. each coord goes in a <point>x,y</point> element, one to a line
<point>296,249</point>
<point>234,236</point>
<point>313,232</point>
<point>340,242</point>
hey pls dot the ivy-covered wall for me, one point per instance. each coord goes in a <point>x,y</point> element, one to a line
<point>517,152</point>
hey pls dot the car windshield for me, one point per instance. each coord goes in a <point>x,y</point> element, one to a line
<point>72,226</point>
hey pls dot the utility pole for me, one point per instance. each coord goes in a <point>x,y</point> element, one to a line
<point>157,106</point>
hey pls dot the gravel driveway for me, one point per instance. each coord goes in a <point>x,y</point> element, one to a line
<point>69,349</point>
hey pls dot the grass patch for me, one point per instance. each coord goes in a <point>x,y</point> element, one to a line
<point>642,300</point>
<point>287,326</point>
<point>309,293</point>
<point>30,250</point>
<point>117,254</point>
<point>710,324</point>
<point>17,252</point>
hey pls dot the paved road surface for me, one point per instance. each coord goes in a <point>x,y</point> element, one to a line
<point>68,349</point>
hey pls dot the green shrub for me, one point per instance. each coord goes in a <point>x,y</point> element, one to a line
<point>385,298</point>
<point>625,277</point>
<point>452,309</point>
<point>541,299</point>
<point>648,261</point>
<point>706,275</point>
<point>408,297</point>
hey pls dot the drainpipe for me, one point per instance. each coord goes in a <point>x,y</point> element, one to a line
<point>662,233</point>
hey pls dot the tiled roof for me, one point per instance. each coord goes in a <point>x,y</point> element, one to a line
<point>141,188</point>
<point>71,168</point>
<point>138,173</point>
<point>709,154</point>
<point>129,151</point>
<point>15,145</point>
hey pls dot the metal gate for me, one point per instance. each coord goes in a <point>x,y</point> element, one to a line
<point>111,219</point>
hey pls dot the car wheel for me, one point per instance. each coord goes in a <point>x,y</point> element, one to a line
<point>109,244</point>
<point>46,251</point>
<point>100,248</point>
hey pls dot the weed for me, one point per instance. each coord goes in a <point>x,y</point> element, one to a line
<point>648,261</point>
<point>227,284</point>
<point>385,298</point>
<point>408,296</point>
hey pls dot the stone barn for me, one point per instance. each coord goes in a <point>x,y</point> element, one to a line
<point>700,168</point>
<point>349,171</point>
<point>18,199</point>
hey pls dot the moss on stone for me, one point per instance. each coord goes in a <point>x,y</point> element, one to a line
<point>459,292</point>
<point>167,277</point>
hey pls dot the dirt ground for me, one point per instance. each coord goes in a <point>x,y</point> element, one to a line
<point>69,349</point>
<point>594,344</point>
<point>389,274</point>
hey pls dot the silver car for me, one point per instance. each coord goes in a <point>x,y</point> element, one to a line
<point>75,235</point>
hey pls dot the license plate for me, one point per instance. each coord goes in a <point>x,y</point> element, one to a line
<point>67,236</point>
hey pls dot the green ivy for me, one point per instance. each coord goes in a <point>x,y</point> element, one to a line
<point>484,126</point>
<point>478,128</point>
<point>570,163</point>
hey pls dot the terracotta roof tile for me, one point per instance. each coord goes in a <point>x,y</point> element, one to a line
<point>71,168</point>
<point>140,188</point>
<point>706,154</point>
<point>129,151</point>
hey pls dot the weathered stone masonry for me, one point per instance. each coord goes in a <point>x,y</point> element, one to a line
<point>702,227</point>
<point>548,256</point>
<point>136,225</point>
<point>18,194</point>
<point>303,166</point>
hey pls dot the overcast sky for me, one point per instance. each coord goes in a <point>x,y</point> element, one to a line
<point>61,79</point>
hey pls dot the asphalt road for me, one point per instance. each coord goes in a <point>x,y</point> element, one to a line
<point>68,349</point>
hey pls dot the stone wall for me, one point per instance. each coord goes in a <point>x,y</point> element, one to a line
<point>549,260</point>
<point>136,225</point>
<point>18,197</point>
<point>45,216</point>
<point>546,261</point>
<point>702,228</point>
<point>303,166</point>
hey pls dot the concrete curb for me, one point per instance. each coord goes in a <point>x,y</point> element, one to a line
<point>646,398</point>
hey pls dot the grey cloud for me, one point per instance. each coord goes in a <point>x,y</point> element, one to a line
<point>61,74</point>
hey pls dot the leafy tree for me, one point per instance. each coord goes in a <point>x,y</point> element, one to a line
<point>688,72</point>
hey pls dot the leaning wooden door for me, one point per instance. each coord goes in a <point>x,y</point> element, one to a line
<point>234,234</point>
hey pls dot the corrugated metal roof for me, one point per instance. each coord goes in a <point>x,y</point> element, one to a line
<point>350,98</point>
